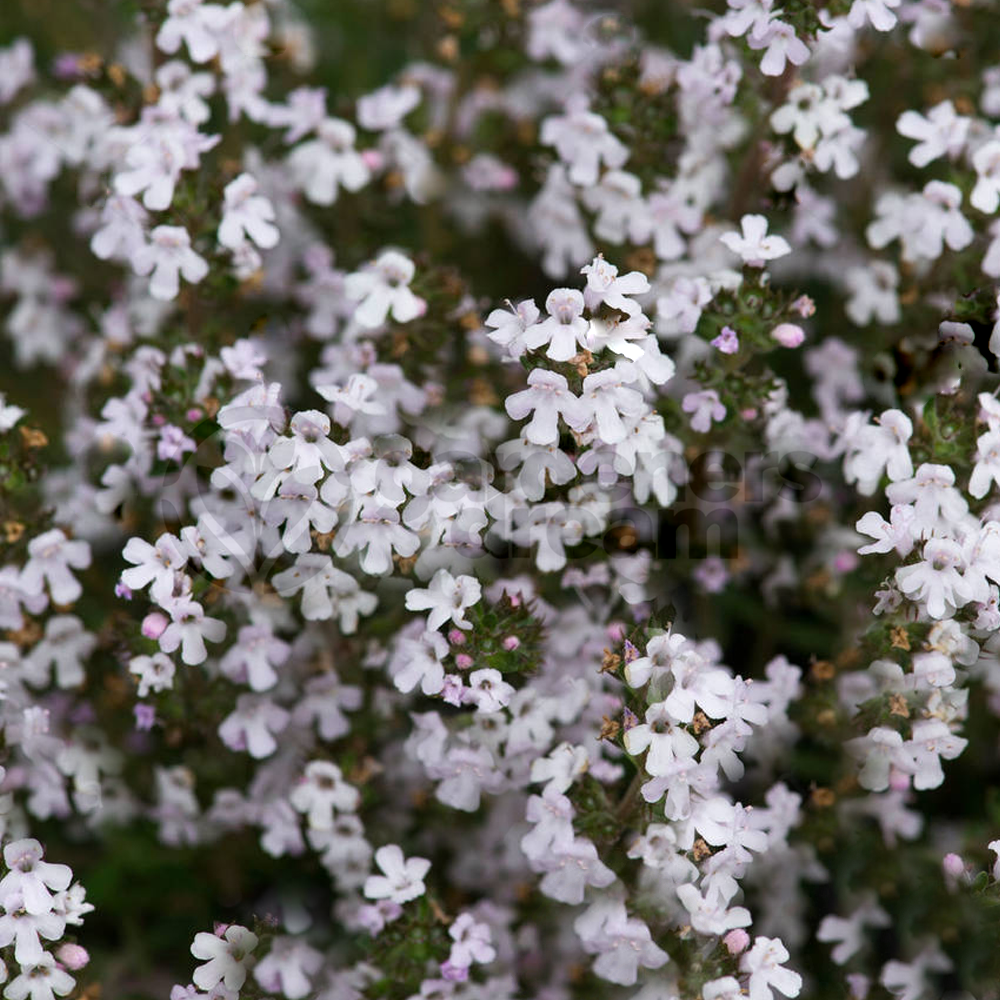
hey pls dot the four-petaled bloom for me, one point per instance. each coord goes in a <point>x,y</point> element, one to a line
<point>403,878</point>
<point>225,956</point>
<point>383,289</point>
<point>168,255</point>
<point>247,215</point>
<point>764,964</point>
<point>446,598</point>
<point>30,877</point>
<point>754,246</point>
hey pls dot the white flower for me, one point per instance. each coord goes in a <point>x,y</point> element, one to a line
<point>287,967</point>
<point>123,228</point>
<point>878,12</point>
<point>994,846</point>
<point>357,396</point>
<point>24,930</point>
<point>548,395</point>
<point>252,724</point>
<point>155,673</point>
<point>9,414</point>
<point>782,45</point>
<point>873,290</point>
<point>376,534</point>
<point>42,980</point>
<point>764,964</point>
<point>924,223</point>
<point>322,793</point>
<point>446,598</point>
<point>896,533</point>
<point>471,942</point>
<point>323,165</point>
<point>488,691</point>
<point>941,133</point>
<point>986,194</point>
<point>881,752</point>
<point>622,943</point>
<point>326,591</point>
<point>403,879</point>
<point>247,214</point>
<point>50,557</point>
<point>156,564</point>
<point>66,644</point>
<point>386,107</point>
<point>754,245</point>
<point>605,285</point>
<point>936,579</point>
<point>877,448</point>
<point>193,23</point>
<point>931,740</point>
<point>583,141</point>
<point>608,396</point>
<point>849,934</point>
<point>183,91</point>
<point>189,630</point>
<point>168,255</point>
<point>225,957</point>
<point>17,68</point>
<point>31,878</point>
<point>704,407</point>
<point>987,468</point>
<point>383,288</point>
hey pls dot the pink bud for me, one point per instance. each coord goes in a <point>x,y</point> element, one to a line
<point>510,643</point>
<point>373,159</point>
<point>845,561</point>
<point>456,636</point>
<point>615,631</point>
<point>736,940</point>
<point>193,414</point>
<point>158,419</point>
<point>463,661</point>
<point>749,413</point>
<point>73,956</point>
<point>953,865</point>
<point>788,334</point>
<point>154,625</point>
<point>899,781</point>
<point>506,179</point>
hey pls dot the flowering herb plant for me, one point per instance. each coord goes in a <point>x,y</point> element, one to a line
<point>498,500</point>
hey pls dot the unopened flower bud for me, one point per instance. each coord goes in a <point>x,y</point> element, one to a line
<point>953,865</point>
<point>73,956</point>
<point>788,334</point>
<point>154,625</point>
<point>736,941</point>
